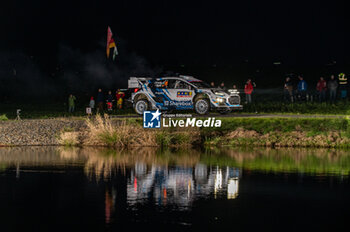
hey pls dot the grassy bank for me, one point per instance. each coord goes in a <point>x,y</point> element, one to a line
<point>266,132</point>
<point>278,107</point>
<point>280,132</point>
<point>42,111</point>
<point>104,131</point>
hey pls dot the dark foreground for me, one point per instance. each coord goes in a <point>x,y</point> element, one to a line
<point>50,189</point>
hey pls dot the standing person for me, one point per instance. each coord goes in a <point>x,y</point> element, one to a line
<point>222,86</point>
<point>212,84</point>
<point>288,90</point>
<point>119,96</point>
<point>92,103</point>
<point>100,100</point>
<point>110,101</point>
<point>234,88</point>
<point>343,85</point>
<point>332,85</point>
<point>71,103</point>
<point>321,89</point>
<point>302,88</point>
<point>248,90</point>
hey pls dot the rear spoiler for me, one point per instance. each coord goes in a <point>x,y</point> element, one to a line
<point>134,82</point>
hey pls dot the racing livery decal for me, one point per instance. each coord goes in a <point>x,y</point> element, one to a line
<point>184,94</point>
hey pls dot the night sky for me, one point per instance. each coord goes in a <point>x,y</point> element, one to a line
<point>182,32</point>
<point>53,48</point>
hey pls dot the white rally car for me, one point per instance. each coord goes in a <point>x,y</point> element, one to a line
<point>180,93</point>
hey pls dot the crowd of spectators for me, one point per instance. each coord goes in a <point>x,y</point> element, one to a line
<point>109,101</point>
<point>331,89</point>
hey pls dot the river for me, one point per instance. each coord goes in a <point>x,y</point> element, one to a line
<point>83,189</point>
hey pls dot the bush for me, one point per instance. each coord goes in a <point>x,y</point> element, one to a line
<point>69,138</point>
<point>163,138</point>
<point>178,138</point>
<point>3,117</point>
<point>103,131</point>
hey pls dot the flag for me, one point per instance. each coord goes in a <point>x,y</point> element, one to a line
<point>111,43</point>
<point>109,37</point>
<point>115,52</point>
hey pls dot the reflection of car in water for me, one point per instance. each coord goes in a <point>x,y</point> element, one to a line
<point>181,185</point>
<point>180,93</point>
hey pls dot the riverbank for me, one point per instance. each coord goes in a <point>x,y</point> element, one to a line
<point>280,132</point>
<point>36,132</point>
<point>265,132</point>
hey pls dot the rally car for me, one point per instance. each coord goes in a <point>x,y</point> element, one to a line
<point>180,93</point>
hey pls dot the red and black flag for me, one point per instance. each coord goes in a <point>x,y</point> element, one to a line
<point>111,43</point>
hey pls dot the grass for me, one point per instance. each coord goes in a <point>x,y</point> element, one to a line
<point>340,108</point>
<point>168,138</point>
<point>266,125</point>
<point>102,131</point>
<point>279,132</point>
<point>255,131</point>
<point>42,111</point>
<point>69,138</point>
<point>268,132</point>
<point>3,117</point>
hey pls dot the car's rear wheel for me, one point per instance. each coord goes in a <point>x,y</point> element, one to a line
<point>202,106</point>
<point>141,106</point>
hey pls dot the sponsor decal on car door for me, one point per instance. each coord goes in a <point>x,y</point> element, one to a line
<point>181,94</point>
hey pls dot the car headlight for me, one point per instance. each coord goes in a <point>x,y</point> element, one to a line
<point>220,99</point>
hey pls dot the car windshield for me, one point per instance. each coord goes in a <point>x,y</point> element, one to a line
<point>200,84</point>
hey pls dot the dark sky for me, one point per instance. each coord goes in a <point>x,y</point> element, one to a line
<point>182,32</point>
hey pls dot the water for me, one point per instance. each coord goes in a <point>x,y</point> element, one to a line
<point>73,189</point>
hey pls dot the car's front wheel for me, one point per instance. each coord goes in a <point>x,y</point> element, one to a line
<point>202,106</point>
<point>141,106</point>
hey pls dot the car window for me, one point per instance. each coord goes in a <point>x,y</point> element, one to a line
<point>171,84</point>
<point>159,84</point>
<point>182,85</point>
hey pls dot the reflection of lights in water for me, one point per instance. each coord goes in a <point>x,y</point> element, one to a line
<point>140,169</point>
<point>218,181</point>
<point>232,188</point>
<point>180,185</point>
<point>135,185</point>
<point>109,205</point>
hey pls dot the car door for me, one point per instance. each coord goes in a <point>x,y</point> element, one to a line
<point>181,93</point>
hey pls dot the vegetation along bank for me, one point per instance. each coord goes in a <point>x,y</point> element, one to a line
<point>103,131</point>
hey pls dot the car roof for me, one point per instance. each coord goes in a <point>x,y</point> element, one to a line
<point>185,78</point>
<point>181,77</point>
